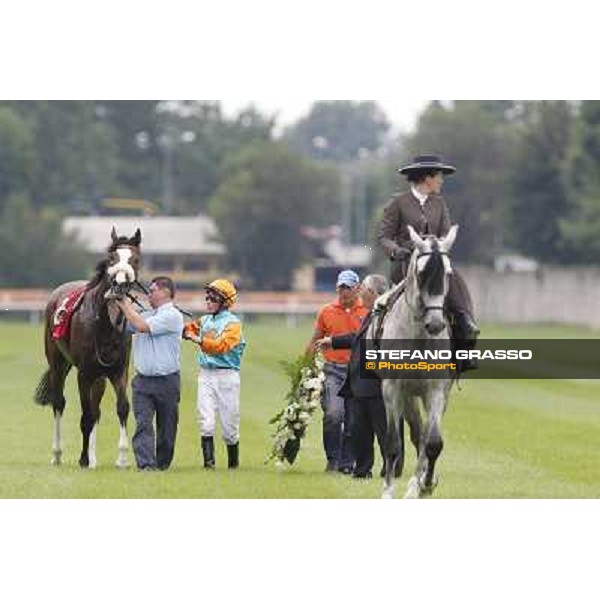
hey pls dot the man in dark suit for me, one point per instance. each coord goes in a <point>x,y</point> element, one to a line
<point>368,411</point>
<point>424,208</point>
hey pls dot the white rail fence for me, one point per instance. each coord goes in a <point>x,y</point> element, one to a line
<point>548,295</point>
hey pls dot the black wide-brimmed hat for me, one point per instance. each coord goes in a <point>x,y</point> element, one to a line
<point>427,161</point>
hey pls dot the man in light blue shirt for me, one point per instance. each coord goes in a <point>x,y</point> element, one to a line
<point>156,386</point>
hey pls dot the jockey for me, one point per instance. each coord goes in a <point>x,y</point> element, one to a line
<point>423,207</point>
<point>221,346</point>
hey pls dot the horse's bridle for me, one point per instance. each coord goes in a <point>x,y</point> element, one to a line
<point>120,290</point>
<point>425,308</point>
<point>144,289</point>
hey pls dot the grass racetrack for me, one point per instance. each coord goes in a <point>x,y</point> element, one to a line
<point>503,439</point>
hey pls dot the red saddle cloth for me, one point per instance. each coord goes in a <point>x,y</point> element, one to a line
<point>63,314</point>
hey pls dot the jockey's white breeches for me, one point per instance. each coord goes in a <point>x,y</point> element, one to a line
<point>219,393</point>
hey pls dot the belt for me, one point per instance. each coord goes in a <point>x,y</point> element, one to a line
<point>138,374</point>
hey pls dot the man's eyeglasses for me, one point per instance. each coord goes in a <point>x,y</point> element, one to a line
<point>343,286</point>
<point>210,298</point>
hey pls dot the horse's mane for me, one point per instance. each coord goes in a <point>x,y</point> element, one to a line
<point>98,276</point>
<point>431,278</point>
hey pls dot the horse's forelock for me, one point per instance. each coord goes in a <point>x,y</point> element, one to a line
<point>120,241</point>
<point>431,278</point>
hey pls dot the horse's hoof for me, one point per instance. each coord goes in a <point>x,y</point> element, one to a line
<point>427,490</point>
<point>388,493</point>
<point>413,489</point>
<point>56,461</point>
<point>121,464</point>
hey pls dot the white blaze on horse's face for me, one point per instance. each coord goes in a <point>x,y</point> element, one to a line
<point>122,271</point>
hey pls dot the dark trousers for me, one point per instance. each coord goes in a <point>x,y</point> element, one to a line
<point>369,421</point>
<point>337,415</point>
<point>155,396</point>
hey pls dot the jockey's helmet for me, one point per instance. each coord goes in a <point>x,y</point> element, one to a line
<point>223,289</point>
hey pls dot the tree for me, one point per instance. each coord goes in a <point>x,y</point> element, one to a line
<point>339,130</point>
<point>69,154</point>
<point>268,194</point>
<point>206,139</point>
<point>74,154</point>
<point>173,151</point>
<point>538,198</point>
<point>136,126</point>
<point>478,139</point>
<point>580,226</point>
<point>16,152</point>
<point>35,252</point>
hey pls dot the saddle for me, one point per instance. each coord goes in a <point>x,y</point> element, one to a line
<point>61,322</point>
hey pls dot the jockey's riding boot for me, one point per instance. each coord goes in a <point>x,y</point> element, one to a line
<point>465,333</point>
<point>208,451</point>
<point>233,456</point>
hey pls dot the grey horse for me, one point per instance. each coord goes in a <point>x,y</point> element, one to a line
<point>418,315</point>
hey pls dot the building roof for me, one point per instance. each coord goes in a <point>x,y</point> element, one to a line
<point>160,235</point>
<point>346,254</point>
<point>329,248</point>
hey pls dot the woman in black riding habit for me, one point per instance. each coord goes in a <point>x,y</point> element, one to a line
<point>423,207</point>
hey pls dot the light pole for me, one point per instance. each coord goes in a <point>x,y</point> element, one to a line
<point>166,143</point>
<point>347,177</point>
<point>362,235</point>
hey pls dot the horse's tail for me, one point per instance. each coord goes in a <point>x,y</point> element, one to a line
<point>42,394</point>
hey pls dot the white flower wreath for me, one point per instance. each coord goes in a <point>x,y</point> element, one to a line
<point>307,380</point>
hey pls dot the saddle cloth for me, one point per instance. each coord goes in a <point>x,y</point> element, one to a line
<point>62,317</point>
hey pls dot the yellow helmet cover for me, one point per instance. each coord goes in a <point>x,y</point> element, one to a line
<point>224,289</point>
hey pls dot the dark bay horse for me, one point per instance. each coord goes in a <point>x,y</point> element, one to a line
<point>96,344</point>
<point>418,315</point>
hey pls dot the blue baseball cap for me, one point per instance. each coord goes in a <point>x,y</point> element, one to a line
<point>349,278</point>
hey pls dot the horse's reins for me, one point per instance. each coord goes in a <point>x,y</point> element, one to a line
<point>121,331</point>
<point>391,302</point>
<point>101,362</point>
<point>146,291</point>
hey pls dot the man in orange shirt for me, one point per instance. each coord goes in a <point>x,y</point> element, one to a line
<point>341,316</point>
